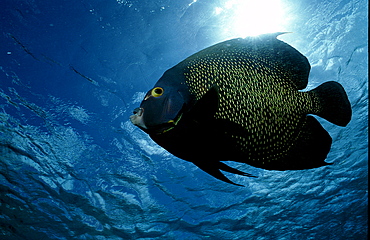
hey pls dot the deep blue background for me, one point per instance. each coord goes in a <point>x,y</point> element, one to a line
<point>72,166</point>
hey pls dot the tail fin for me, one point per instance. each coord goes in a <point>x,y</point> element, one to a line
<point>335,106</point>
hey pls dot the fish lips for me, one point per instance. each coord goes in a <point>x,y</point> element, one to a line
<point>138,119</point>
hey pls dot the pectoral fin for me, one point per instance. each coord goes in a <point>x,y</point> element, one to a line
<point>206,107</point>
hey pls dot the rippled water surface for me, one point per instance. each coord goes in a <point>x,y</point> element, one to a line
<point>72,166</point>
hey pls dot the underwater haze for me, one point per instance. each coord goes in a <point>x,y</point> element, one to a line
<point>73,166</point>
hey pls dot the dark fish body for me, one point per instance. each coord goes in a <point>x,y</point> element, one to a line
<point>239,100</point>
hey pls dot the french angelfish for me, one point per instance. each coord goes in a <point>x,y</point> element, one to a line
<point>239,100</point>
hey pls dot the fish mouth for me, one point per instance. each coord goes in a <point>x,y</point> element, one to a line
<point>137,119</point>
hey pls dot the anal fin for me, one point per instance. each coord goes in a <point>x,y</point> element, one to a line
<point>309,150</point>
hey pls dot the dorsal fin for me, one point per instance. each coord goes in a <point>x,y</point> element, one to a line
<point>264,49</point>
<point>282,58</point>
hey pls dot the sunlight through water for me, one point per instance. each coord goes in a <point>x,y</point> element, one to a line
<point>250,17</point>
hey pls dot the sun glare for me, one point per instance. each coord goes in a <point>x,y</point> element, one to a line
<point>251,17</point>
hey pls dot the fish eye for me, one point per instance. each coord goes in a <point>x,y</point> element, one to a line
<point>157,92</point>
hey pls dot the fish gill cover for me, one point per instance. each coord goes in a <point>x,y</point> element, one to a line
<point>72,166</point>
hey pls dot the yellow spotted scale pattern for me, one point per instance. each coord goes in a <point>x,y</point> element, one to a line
<point>254,94</point>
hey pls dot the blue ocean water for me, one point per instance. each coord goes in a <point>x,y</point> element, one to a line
<point>72,166</point>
